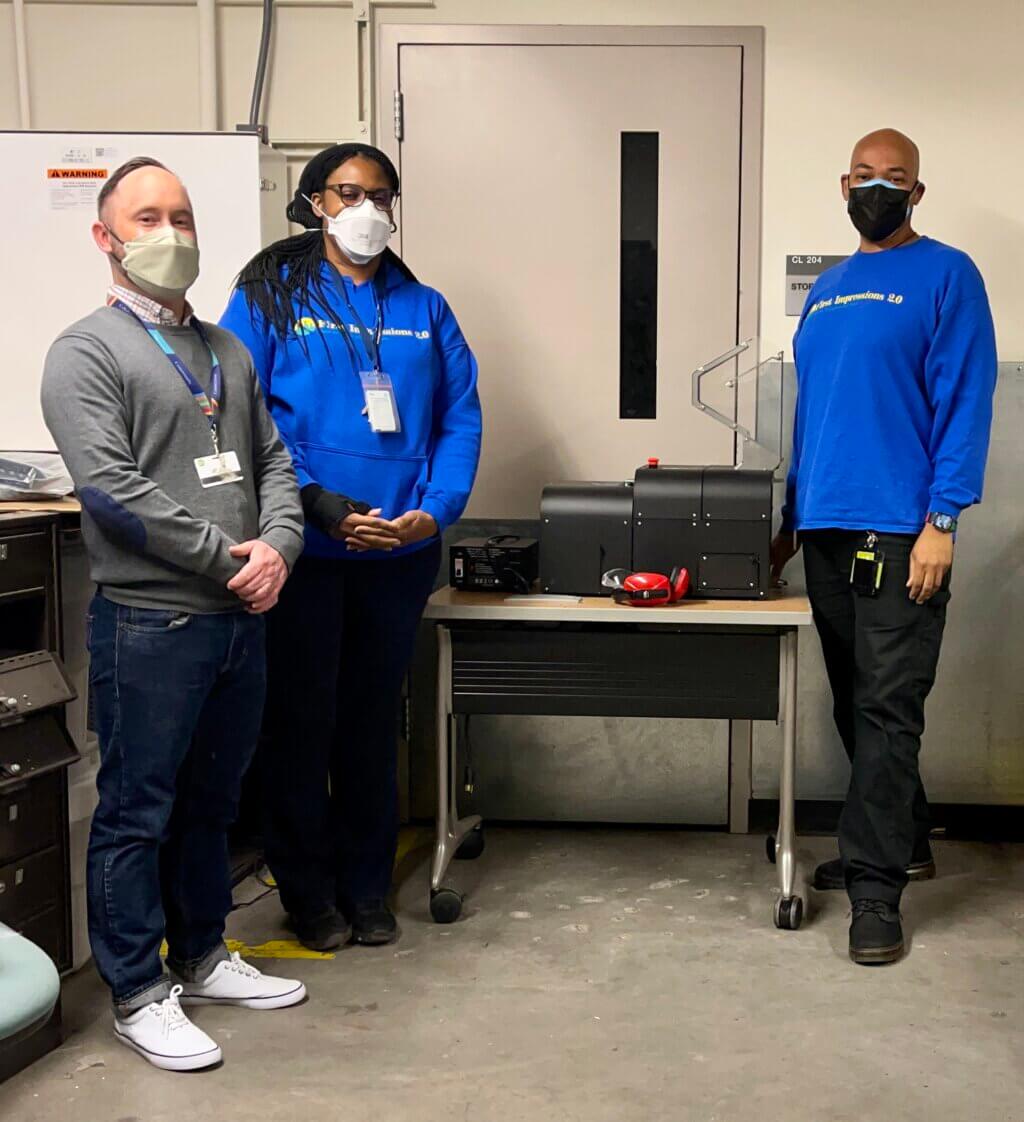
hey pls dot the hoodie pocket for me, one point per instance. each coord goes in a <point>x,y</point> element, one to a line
<point>393,483</point>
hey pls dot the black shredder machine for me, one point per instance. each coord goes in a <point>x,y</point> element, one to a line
<point>713,520</point>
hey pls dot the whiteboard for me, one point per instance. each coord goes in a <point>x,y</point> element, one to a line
<point>53,274</point>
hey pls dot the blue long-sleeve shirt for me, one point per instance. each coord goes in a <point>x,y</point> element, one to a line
<point>896,368</point>
<point>311,383</point>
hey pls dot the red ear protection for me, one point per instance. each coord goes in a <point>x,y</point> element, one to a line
<point>680,581</point>
<point>647,590</point>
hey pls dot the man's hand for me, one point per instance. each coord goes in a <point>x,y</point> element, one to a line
<point>785,546</point>
<point>361,532</point>
<point>416,526</point>
<point>930,561</point>
<point>261,578</point>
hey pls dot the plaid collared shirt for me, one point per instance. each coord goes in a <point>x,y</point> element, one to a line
<point>149,311</point>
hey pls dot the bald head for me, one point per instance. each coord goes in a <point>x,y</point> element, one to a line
<point>139,184</point>
<point>885,154</point>
<point>880,214</point>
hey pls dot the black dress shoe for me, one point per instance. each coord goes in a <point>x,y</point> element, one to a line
<point>828,877</point>
<point>876,936</point>
<point>373,924</point>
<point>325,933</point>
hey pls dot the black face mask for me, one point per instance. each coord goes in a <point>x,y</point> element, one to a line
<point>877,210</point>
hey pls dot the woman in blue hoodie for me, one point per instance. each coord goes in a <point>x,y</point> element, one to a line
<point>374,390</point>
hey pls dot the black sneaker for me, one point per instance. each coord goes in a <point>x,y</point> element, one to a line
<point>876,936</point>
<point>325,933</point>
<point>828,877</point>
<point>373,924</point>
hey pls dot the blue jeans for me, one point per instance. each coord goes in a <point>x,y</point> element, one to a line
<point>178,702</point>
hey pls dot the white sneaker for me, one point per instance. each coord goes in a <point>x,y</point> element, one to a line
<point>162,1034</point>
<point>235,982</point>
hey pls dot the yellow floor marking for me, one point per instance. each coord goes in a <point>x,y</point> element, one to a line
<point>275,948</point>
<point>410,839</point>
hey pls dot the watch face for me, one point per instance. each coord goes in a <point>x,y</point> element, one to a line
<point>944,522</point>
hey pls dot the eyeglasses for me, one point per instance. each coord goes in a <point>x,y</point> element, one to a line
<point>351,194</point>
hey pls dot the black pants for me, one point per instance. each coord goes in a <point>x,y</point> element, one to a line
<point>338,646</point>
<point>881,654</point>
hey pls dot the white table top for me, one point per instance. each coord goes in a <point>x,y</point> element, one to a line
<point>780,609</point>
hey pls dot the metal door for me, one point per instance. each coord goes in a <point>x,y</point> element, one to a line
<point>536,165</point>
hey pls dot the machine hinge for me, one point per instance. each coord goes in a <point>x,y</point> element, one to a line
<point>399,115</point>
<point>406,718</point>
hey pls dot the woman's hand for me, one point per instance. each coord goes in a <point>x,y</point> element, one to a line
<point>415,526</point>
<point>361,532</point>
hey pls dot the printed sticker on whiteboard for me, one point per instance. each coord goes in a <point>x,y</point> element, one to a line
<point>76,156</point>
<point>75,188</point>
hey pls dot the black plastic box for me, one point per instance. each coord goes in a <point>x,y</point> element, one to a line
<point>716,522</point>
<point>586,529</point>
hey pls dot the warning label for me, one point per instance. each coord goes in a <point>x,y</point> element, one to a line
<point>76,173</point>
<point>74,188</point>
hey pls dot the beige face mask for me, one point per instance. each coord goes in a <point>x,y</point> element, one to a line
<point>163,263</point>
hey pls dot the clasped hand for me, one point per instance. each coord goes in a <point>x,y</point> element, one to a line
<point>362,532</point>
<point>260,580</point>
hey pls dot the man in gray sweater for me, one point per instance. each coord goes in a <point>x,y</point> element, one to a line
<point>192,518</point>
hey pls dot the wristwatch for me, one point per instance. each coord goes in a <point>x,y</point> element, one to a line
<point>944,523</point>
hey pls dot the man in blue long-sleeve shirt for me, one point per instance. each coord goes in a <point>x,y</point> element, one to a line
<point>896,368</point>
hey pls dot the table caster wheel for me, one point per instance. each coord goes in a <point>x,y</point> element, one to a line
<point>769,847</point>
<point>471,846</point>
<point>789,913</point>
<point>445,905</point>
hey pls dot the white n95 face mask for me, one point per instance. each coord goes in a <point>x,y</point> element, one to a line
<point>361,232</point>
<point>163,263</point>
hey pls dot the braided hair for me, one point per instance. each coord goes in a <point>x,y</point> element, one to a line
<point>289,270</point>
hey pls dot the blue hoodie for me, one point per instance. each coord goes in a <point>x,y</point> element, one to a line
<point>311,384</point>
<point>896,368</point>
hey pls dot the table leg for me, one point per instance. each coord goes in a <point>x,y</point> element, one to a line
<point>446,904</point>
<point>789,908</point>
<point>741,752</point>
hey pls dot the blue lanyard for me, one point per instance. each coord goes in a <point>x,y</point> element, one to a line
<point>209,403</point>
<point>371,343</point>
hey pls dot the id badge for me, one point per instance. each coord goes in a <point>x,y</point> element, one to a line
<point>381,406</point>
<point>215,471</point>
<point>866,572</point>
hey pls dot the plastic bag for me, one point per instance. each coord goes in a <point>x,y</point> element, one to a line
<point>33,475</point>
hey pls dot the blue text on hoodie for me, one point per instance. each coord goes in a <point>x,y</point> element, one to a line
<point>312,386</point>
<point>896,368</point>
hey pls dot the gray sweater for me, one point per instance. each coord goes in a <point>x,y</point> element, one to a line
<point>130,432</point>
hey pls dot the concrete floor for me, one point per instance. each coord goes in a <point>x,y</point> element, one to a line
<point>603,975</point>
